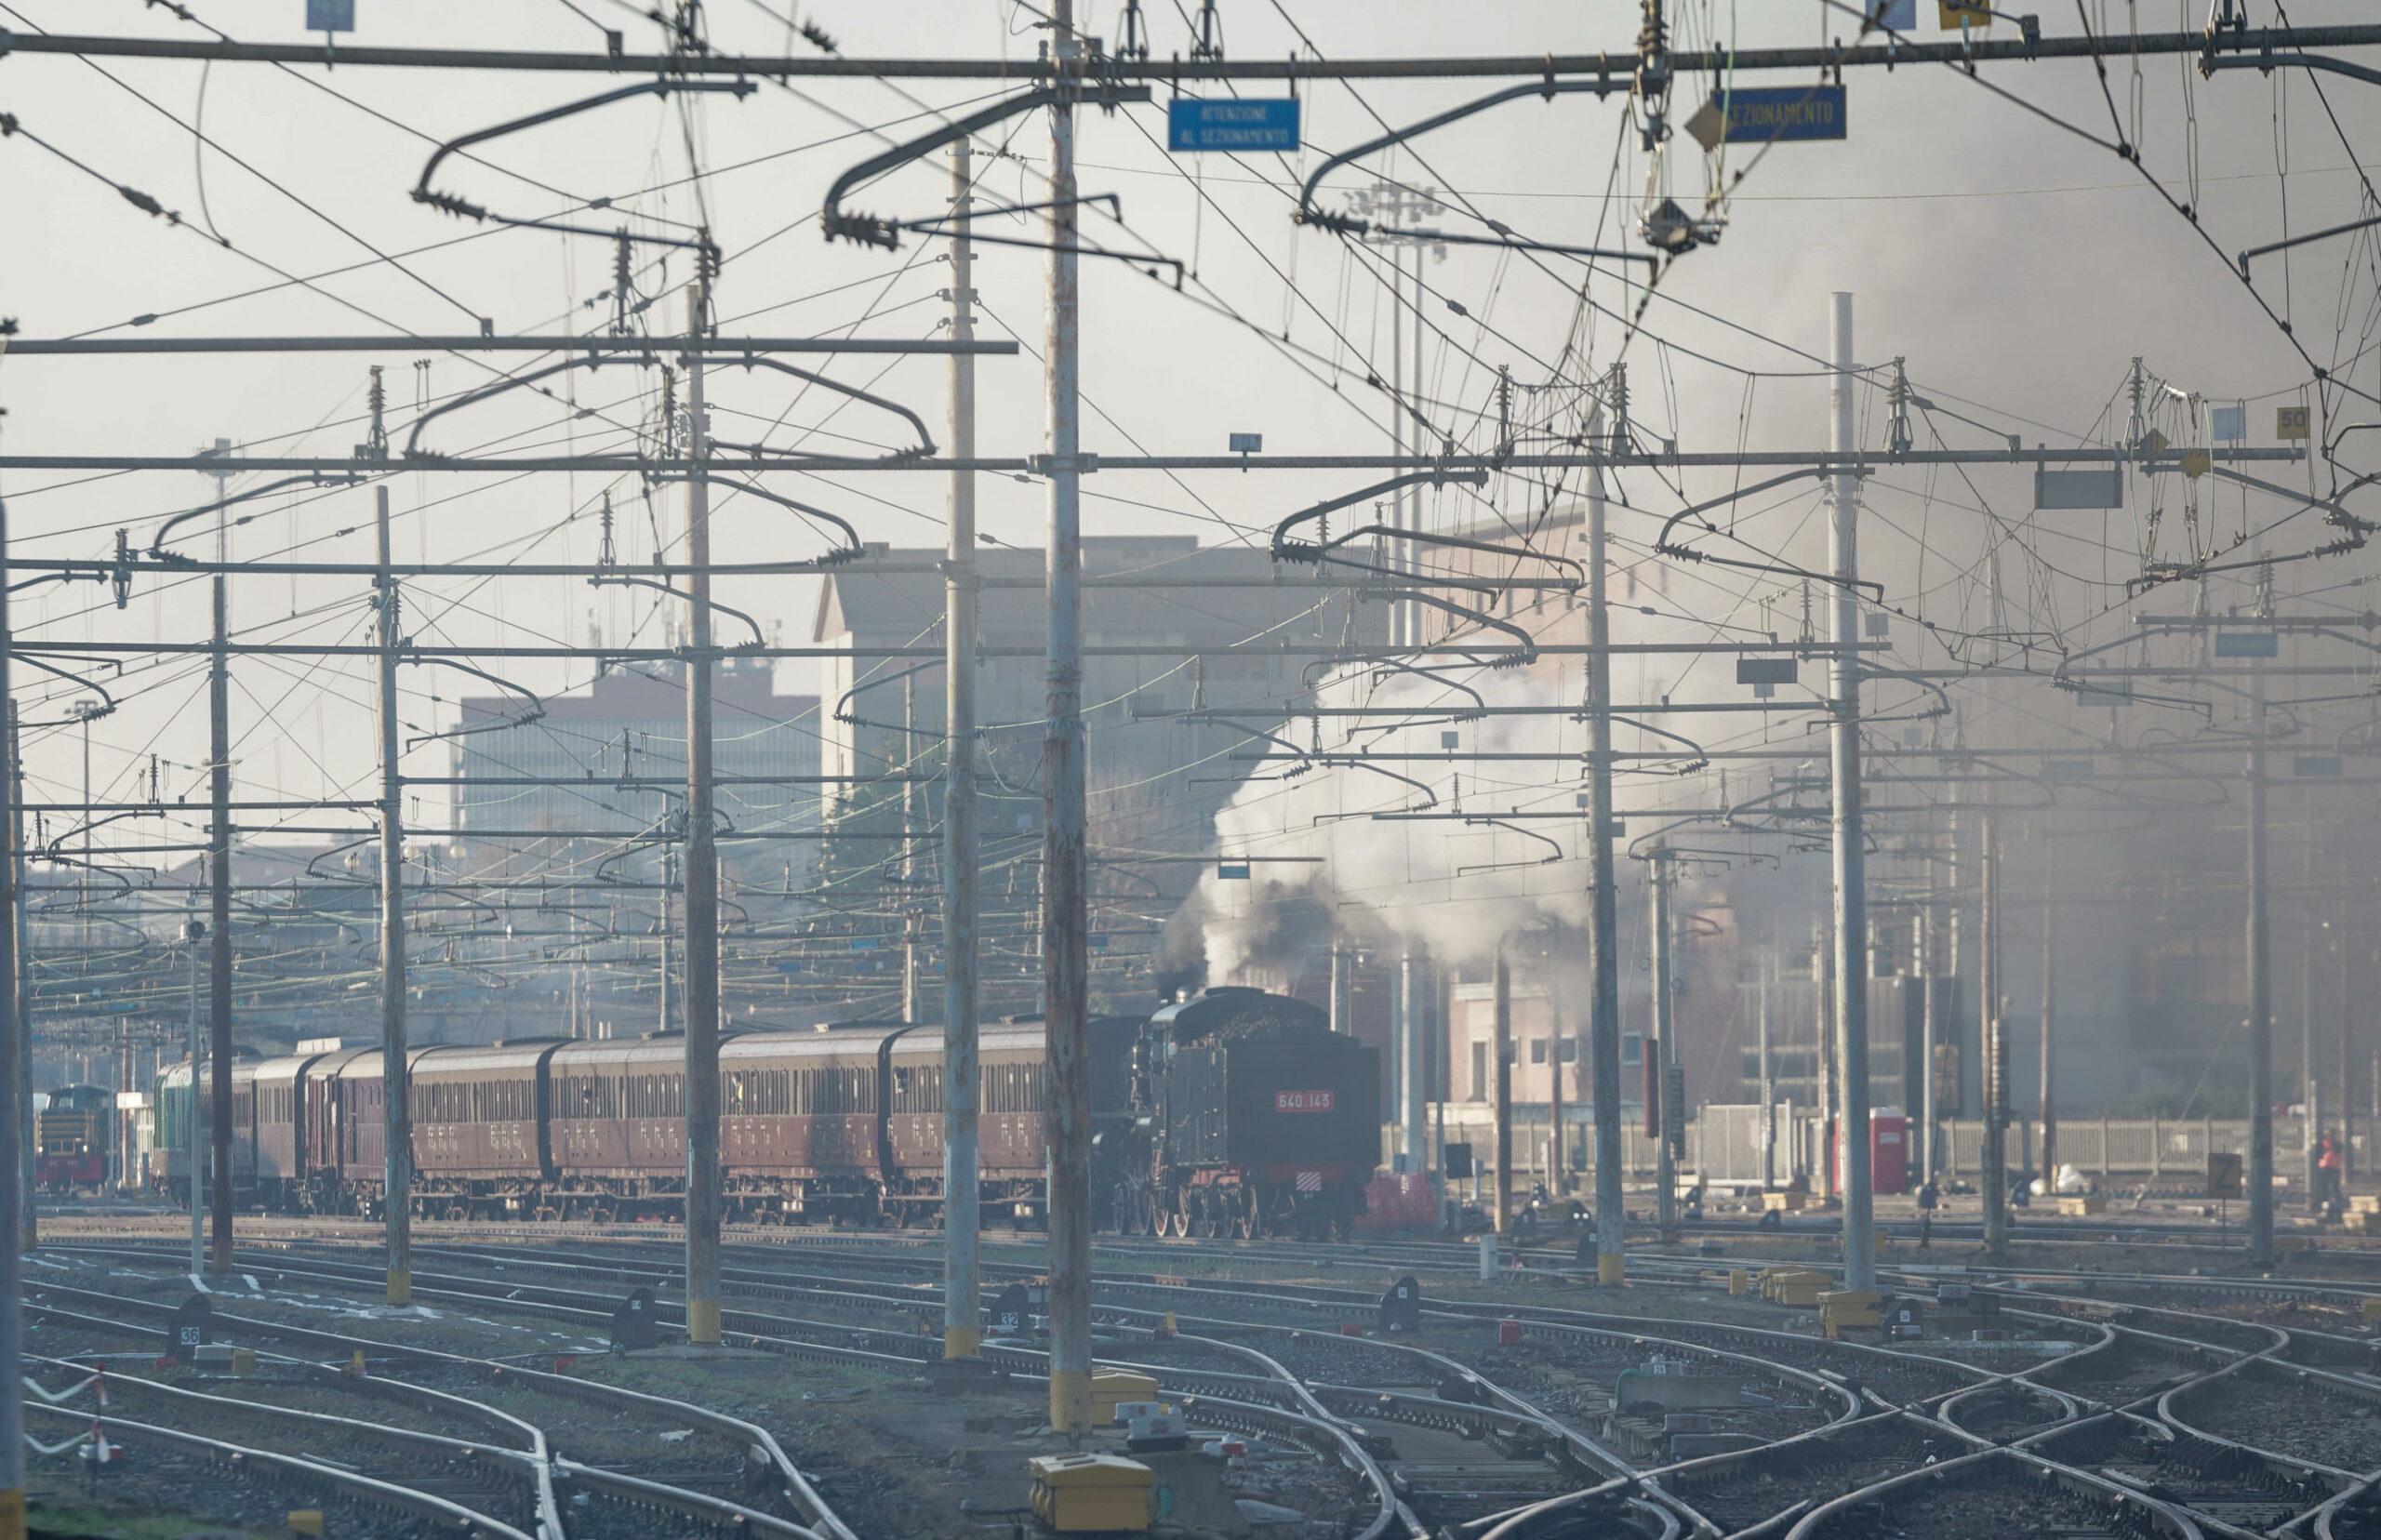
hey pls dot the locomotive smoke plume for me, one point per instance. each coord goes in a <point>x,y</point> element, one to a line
<point>1456,886</point>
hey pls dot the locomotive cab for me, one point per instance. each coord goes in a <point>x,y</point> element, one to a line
<point>1261,1119</point>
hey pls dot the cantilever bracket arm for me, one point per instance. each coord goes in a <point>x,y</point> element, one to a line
<point>448,202</point>
<point>869,230</point>
<point>107,701</point>
<point>632,580</point>
<point>413,450</point>
<point>925,445</point>
<point>1456,540</point>
<point>1308,213</point>
<point>2334,514</point>
<point>2267,61</point>
<point>851,549</point>
<point>1662,546</point>
<point>944,224</point>
<point>157,552</point>
<point>2271,246</point>
<point>1285,549</point>
<point>752,360</point>
<point>1702,759</point>
<point>1526,653</point>
<point>535,712</point>
<point>1552,844</point>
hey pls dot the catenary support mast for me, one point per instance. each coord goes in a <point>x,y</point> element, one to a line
<point>2260,967</point>
<point>218,839</point>
<point>961,1318</point>
<point>702,862</point>
<point>1603,924</point>
<point>14,1045</point>
<point>1850,852</point>
<point>398,1094</point>
<point>1065,864</point>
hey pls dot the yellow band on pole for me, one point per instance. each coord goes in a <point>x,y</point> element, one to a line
<point>702,1321</point>
<point>1070,1402</point>
<point>1611,1268</point>
<point>12,1515</point>
<point>959,1342</point>
<point>400,1287</point>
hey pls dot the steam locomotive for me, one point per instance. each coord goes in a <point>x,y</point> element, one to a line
<point>1235,1113</point>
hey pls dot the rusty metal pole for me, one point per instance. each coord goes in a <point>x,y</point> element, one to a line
<point>398,1097</point>
<point>1603,923</point>
<point>13,1047</point>
<point>1554,1152</point>
<point>962,1077</point>
<point>2311,1083</point>
<point>1850,838</point>
<point>1500,1052</point>
<point>1824,1180</point>
<point>1413,1156</point>
<point>913,819</point>
<point>219,843</point>
<point>1993,1073</point>
<point>2260,978</point>
<point>19,921</point>
<point>1065,866</point>
<point>2049,1043</point>
<point>2346,1022</point>
<point>1662,1051</point>
<point>703,858</point>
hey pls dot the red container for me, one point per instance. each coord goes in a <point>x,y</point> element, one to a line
<point>1888,1152</point>
<point>1889,1149</point>
<point>1509,1333</point>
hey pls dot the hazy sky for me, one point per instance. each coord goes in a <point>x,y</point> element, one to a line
<point>2017,264</point>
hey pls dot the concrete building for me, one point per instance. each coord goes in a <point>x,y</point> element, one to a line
<point>632,726</point>
<point>1225,631</point>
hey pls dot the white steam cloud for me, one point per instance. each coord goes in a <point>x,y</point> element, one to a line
<point>1457,884</point>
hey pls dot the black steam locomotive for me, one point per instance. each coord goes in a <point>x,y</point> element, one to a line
<point>1252,1118</point>
<point>1235,1113</point>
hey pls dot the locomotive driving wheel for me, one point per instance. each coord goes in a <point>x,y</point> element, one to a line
<point>1243,1219</point>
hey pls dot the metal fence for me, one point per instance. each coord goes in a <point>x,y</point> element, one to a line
<point>2134,1147</point>
<point>1723,1143</point>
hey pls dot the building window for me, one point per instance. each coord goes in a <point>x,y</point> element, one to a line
<point>1538,1050</point>
<point>1633,1048</point>
<point>1478,1071</point>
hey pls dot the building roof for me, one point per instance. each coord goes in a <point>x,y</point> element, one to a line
<point>656,692</point>
<point>889,608</point>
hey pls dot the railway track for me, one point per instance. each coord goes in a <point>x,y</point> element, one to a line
<point>610,1494</point>
<point>1998,1493</point>
<point>1471,1436</point>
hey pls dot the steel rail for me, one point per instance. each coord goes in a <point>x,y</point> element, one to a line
<point>530,1434</point>
<point>2177,1523</point>
<point>906,1300</point>
<point>350,1484</point>
<point>229,1407</point>
<point>798,1490</point>
<point>700,1506</point>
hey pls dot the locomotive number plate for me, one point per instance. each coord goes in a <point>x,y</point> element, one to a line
<point>1302,1101</point>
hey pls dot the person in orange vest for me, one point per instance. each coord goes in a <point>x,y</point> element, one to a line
<point>2331,1170</point>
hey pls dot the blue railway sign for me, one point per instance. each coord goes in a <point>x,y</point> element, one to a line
<point>1201,123</point>
<point>1757,114</point>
